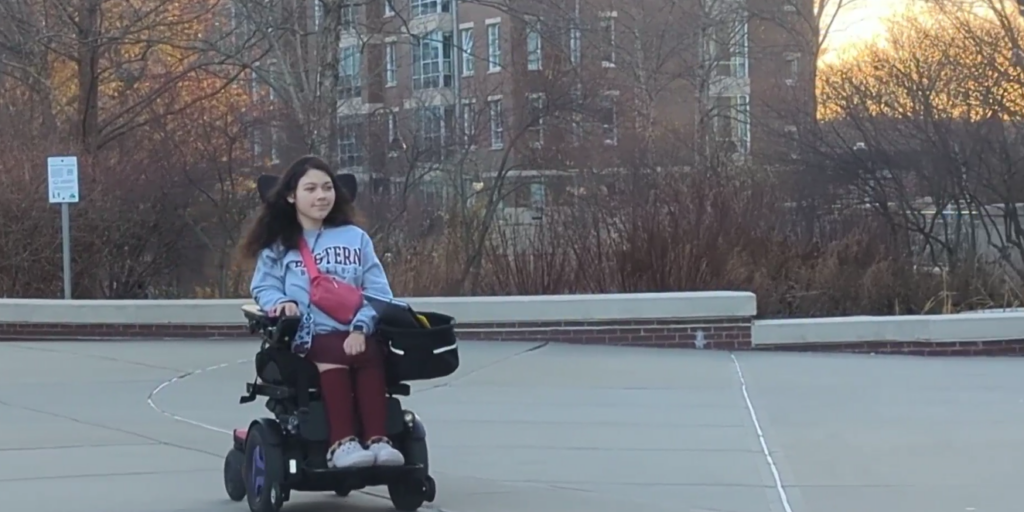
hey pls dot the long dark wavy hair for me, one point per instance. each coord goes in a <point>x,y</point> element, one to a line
<point>278,221</point>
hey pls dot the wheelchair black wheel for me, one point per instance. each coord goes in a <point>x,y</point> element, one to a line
<point>416,453</point>
<point>264,472</point>
<point>408,495</point>
<point>234,482</point>
<point>342,492</point>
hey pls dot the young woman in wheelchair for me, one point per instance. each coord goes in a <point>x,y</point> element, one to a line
<point>309,205</point>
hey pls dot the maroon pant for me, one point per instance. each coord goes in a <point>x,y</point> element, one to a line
<point>360,384</point>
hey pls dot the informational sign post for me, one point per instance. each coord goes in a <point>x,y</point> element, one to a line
<point>63,178</point>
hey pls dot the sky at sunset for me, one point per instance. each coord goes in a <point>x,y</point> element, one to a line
<point>858,21</point>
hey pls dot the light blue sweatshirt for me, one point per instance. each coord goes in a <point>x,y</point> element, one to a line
<point>345,252</point>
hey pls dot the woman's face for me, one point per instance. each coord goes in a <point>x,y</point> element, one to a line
<point>314,197</point>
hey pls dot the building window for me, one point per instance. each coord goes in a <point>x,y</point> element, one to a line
<point>318,13</point>
<point>275,134</point>
<point>528,194</point>
<point>574,44</point>
<point>731,123</point>
<point>608,39</point>
<point>468,60</point>
<point>497,123</point>
<point>432,61</point>
<point>275,144</point>
<point>350,147</point>
<point>493,47</point>
<point>392,131</point>
<point>740,50</point>
<point>428,7</point>
<point>792,141</point>
<point>389,8</point>
<point>431,129</point>
<point>435,124</point>
<point>577,117</point>
<point>538,195</point>
<point>469,135</point>
<point>349,14</point>
<point>793,61</point>
<point>743,123</point>
<point>533,46</point>
<point>608,118</point>
<point>260,93</point>
<point>729,48</point>
<point>391,66</point>
<point>349,79</point>
<point>535,114</point>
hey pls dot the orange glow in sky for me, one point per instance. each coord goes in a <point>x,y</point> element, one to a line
<point>858,21</point>
<point>861,21</point>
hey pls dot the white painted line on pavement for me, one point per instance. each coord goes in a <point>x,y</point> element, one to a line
<point>152,395</point>
<point>760,436</point>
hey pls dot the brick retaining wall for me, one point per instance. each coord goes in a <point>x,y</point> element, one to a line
<point>713,334</point>
<point>1009,347</point>
<point>707,334</point>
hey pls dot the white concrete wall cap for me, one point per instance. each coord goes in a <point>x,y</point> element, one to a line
<point>866,329</point>
<point>686,305</point>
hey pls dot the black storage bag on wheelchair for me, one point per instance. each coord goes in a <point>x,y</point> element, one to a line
<point>415,352</point>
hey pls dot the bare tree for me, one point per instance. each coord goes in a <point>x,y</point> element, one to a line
<point>216,162</point>
<point>313,59</point>
<point>926,131</point>
<point>810,23</point>
<point>118,60</point>
<point>471,153</point>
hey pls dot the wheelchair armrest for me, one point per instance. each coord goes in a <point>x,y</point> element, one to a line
<point>255,315</point>
<point>274,330</point>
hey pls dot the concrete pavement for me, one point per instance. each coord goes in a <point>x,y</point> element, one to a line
<point>530,428</point>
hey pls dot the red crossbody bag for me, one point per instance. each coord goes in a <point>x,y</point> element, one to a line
<point>336,298</point>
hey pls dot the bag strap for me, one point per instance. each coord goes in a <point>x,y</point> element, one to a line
<point>307,259</point>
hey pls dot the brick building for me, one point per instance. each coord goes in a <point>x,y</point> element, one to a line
<point>554,85</point>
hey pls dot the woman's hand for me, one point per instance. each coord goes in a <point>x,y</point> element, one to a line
<point>288,308</point>
<point>355,344</point>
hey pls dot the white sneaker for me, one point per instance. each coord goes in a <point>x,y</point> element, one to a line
<point>386,455</point>
<point>349,454</point>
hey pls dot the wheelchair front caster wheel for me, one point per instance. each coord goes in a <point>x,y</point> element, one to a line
<point>342,492</point>
<point>409,495</point>
<point>234,483</point>
<point>431,488</point>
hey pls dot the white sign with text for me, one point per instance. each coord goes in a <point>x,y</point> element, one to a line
<point>63,179</point>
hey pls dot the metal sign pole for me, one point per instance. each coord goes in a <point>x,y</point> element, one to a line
<point>63,180</point>
<point>65,229</point>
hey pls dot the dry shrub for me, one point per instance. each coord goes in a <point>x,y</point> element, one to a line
<point>735,229</point>
<point>133,234</point>
<point>125,232</point>
<point>156,218</point>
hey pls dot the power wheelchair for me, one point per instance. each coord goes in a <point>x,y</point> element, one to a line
<point>287,452</point>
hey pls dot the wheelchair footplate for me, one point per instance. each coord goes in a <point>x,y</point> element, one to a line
<point>378,472</point>
<point>353,478</point>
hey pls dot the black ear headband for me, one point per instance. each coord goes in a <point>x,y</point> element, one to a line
<point>265,185</point>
